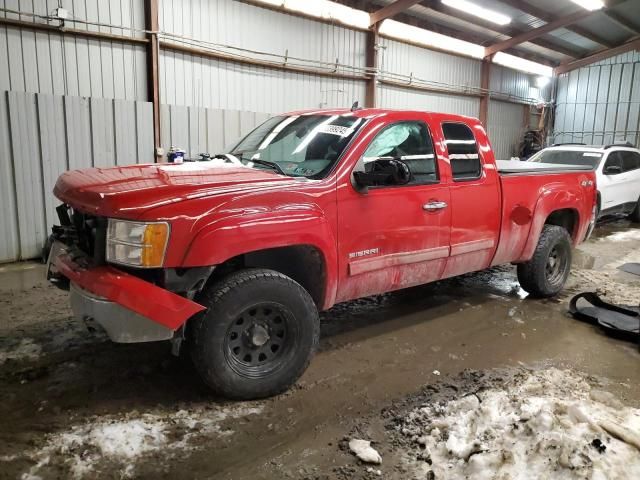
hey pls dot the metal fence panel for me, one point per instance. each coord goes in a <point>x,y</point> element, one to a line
<point>78,132</point>
<point>28,180</point>
<point>205,130</point>
<point>9,241</point>
<point>45,135</point>
<point>53,149</point>
<point>102,132</point>
<point>124,116</point>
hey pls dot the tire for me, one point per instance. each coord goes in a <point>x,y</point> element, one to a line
<point>257,336</point>
<point>635,215</point>
<point>546,273</point>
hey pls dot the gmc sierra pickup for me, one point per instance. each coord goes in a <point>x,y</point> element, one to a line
<point>234,257</point>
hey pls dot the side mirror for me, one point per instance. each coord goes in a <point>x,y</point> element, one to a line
<point>383,171</point>
<point>612,170</point>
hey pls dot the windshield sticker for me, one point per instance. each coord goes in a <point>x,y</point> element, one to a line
<point>335,130</point>
<point>590,154</point>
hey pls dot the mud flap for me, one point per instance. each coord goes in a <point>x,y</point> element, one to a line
<point>618,321</point>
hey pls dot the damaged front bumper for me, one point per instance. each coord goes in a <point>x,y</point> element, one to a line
<point>127,307</point>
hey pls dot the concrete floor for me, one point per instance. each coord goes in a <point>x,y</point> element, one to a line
<point>57,380</point>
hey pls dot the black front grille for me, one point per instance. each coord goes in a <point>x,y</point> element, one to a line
<point>83,231</point>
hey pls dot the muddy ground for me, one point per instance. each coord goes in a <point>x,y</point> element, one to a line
<point>74,404</point>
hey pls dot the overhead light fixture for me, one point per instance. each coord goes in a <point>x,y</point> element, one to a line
<point>478,11</point>
<point>517,63</point>
<point>409,33</point>
<point>590,4</point>
<point>326,10</point>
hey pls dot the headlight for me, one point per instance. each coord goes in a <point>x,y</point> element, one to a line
<point>136,243</point>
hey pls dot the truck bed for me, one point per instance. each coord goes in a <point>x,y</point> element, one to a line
<point>523,209</point>
<point>514,167</point>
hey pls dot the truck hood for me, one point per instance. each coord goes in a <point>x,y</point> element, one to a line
<point>127,192</point>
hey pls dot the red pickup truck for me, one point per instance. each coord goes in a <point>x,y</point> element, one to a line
<point>234,257</point>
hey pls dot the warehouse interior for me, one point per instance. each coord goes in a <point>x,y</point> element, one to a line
<point>112,83</point>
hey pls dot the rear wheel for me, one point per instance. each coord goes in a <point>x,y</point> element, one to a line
<point>547,271</point>
<point>257,336</point>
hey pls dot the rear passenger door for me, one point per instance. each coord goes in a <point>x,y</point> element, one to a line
<point>475,199</point>
<point>610,184</point>
<point>631,174</point>
<point>620,189</point>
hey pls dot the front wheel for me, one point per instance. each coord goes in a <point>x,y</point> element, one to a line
<point>547,271</point>
<point>257,336</point>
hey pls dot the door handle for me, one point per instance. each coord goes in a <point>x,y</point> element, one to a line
<point>434,206</point>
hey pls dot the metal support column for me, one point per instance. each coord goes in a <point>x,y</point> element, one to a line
<point>485,75</point>
<point>153,61</point>
<point>372,63</point>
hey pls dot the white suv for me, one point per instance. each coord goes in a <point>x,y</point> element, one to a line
<point>617,173</point>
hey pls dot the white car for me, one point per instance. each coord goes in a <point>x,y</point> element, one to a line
<point>617,173</point>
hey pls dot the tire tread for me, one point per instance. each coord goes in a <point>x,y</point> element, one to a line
<point>531,274</point>
<point>212,295</point>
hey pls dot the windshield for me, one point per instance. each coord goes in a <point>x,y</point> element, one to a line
<point>567,157</point>
<point>298,145</point>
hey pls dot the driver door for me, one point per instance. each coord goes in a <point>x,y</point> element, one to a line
<point>394,236</point>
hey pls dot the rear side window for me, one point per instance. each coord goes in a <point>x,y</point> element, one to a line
<point>463,151</point>
<point>614,160</point>
<point>630,161</point>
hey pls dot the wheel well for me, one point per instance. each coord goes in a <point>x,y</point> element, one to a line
<point>303,263</point>
<point>566,218</point>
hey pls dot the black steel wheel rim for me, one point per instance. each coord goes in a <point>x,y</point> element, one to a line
<point>556,266</point>
<point>259,340</point>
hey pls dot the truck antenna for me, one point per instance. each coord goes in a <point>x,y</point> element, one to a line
<point>355,106</point>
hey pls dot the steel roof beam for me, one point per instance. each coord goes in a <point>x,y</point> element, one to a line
<point>503,30</point>
<point>390,10</point>
<point>623,22</point>
<point>548,17</point>
<point>537,32</point>
<point>598,56</point>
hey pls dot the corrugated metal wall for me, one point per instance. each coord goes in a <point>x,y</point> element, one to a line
<point>506,125</point>
<point>600,103</point>
<point>426,64</point>
<point>517,84</point>
<point>193,80</point>
<point>199,130</point>
<point>43,135</point>
<point>42,62</point>
<point>196,81</point>
<point>395,97</point>
<point>435,67</point>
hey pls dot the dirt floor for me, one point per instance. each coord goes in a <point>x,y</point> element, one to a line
<point>75,405</point>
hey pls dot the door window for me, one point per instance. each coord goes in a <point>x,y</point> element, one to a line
<point>614,160</point>
<point>463,151</point>
<point>630,161</point>
<point>409,142</point>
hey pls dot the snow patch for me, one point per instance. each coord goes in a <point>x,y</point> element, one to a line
<point>551,424</point>
<point>27,349</point>
<point>364,451</point>
<point>115,444</point>
<point>624,236</point>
